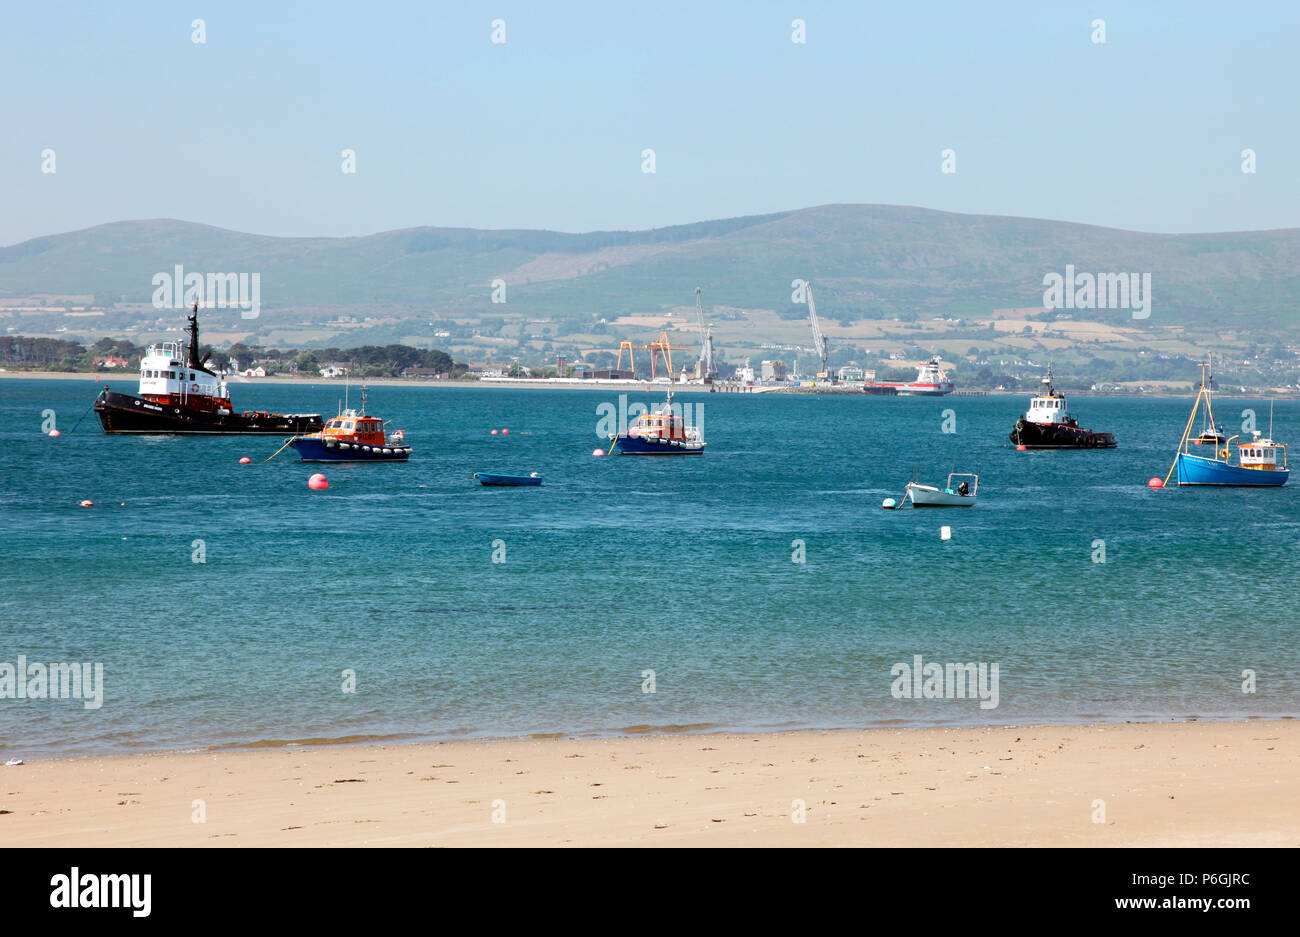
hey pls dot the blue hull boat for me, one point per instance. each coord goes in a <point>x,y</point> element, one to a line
<point>1261,461</point>
<point>662,432</point>
<point>488,478</point>
<point>316,449</point>
<point>1198,470</point>
<point>654,445</point>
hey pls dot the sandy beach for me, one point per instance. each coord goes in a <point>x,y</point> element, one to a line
<point>1178,784</point>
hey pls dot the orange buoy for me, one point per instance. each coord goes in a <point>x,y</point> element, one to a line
<point>598,452</point>
<point>245,460</point>
<point>1155,483</point>
<point>318,482</point>
<point>55,432</point>
<point>87,504</point>
<point>495,431</point>
<point>505,432</point>
<point>1021,448</point>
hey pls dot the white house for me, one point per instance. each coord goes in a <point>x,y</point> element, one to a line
<point>333,370</point>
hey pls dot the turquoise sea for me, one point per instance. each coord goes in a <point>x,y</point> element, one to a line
<point>619,566</point>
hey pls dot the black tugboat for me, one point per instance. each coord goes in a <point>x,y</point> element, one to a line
<point>1046,425</point>
<point>178,394</point>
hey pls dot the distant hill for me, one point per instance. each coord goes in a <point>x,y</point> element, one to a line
<point>866,261</point>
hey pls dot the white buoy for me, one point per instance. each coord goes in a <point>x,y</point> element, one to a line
<point>889,504</point>
<point>945,533</point>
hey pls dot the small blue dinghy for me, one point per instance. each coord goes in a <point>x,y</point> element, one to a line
<point>487,478</point>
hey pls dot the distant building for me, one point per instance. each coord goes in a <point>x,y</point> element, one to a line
<point>773,370</point>
<point>851,373</point>
<point>562,365</point>
<point>608,374</point>
<point>745,374</point>
<point>112,361</point>
<point>333,369</point>
<point>258,371</point>
<point>425,373</point>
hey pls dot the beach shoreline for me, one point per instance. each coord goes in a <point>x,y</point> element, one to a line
<point>1112,784</point>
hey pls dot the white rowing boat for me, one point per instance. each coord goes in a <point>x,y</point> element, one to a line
<point>960,492</point>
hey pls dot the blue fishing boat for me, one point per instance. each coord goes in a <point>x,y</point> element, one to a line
<point>1261,462</point>
<point>490,478</point>
<point>661,432</point>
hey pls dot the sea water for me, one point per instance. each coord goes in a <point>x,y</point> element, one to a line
<point>756,587</point>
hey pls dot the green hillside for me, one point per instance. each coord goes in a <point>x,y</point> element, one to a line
<point>867,262</point>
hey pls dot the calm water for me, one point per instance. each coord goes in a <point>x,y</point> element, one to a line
<point>617,566</point>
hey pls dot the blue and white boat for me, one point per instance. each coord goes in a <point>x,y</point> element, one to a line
<point>661,432</point>
<point>353,437</point>
<point>1261,462</point>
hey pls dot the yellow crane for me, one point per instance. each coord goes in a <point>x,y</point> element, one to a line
<point>662,346</point>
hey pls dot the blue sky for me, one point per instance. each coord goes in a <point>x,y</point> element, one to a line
<point>245,131</point>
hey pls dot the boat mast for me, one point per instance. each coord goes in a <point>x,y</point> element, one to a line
<point>1191,421</point>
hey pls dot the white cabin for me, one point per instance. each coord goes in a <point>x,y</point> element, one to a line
<point>1261,453</point>
<point>164,374</point>
<point>1048,407</point>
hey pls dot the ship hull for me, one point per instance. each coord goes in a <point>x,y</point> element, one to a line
<point>927,496</point>
<point>125,413</point>
<point>1058,436</point>
<point>1196,470</point>
<point>319,450</point>
<point>920,390</point>
<point>653,445</point>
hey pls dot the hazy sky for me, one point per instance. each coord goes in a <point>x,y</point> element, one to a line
<point>246,130</point>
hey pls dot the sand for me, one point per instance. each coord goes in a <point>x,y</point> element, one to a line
<point>1179,784</point>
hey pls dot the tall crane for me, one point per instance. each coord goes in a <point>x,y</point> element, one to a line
<point>708,373</point>
<point>819,340</point>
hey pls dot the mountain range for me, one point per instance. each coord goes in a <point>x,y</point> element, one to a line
<point>865,261</point>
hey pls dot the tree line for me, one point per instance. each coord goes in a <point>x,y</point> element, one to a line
<point>56,354</point>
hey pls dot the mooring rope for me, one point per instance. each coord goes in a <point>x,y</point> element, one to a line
<point>86,414</point>
<point>281,449</point>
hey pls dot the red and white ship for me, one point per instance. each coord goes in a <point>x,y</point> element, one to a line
<point>931,381</point>
<point>178,394</point>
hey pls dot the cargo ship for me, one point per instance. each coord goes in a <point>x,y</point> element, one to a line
<point>178,394</point>
<point>1046,425</point>
<point>931,381</point>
